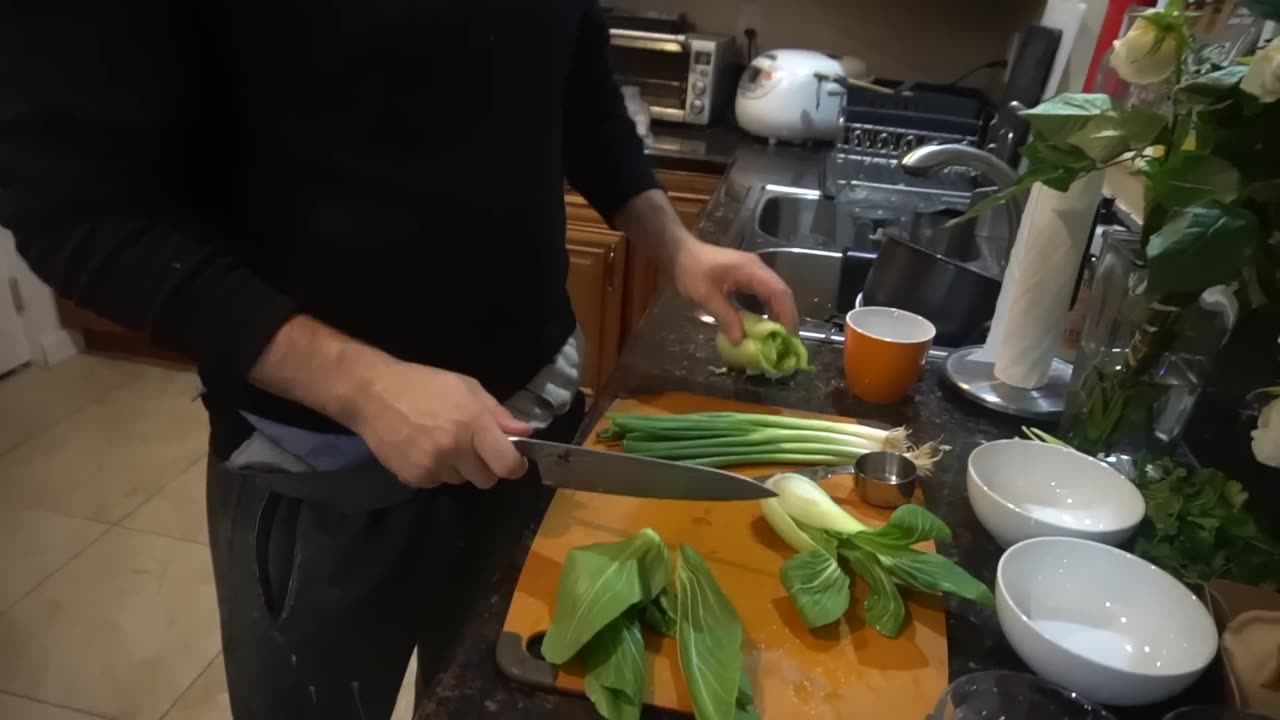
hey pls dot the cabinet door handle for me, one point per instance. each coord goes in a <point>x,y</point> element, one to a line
<point>608,267</point>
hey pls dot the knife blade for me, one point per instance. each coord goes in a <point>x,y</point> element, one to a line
<point>615,473</point>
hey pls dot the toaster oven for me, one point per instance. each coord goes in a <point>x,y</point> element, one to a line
<point>685,77</point>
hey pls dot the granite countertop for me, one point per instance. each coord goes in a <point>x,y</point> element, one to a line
<point>692,148</point>
<point>672,350</point>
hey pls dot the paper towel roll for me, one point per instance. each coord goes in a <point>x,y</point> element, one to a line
<point>1031,311</point>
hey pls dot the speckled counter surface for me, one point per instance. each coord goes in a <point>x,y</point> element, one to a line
<point>673,350</point>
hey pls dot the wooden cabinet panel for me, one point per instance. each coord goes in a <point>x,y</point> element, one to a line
<point>597,260</point>
<point>689,193</point>
<point>643,277</point>
<point>107,338</point>
<point>689,183</point>
<point>578,211</point>
<point>74,316</point>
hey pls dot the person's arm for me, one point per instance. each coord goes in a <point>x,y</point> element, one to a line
<point>428,426</point>
<point>95,106</point>
<point>603,156</point>
<point>605,161</point>
<point>96,103</point>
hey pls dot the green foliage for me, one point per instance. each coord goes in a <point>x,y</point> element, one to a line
<point>1192,177</point>
<point>1212,197</point>
<point>1201,246</point>
<point>1210,90</point>
<point>1198,529</point>
<point>1111,134</point>
<point>1060,117</point>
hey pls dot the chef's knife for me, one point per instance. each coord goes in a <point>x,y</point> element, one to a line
<point>615,473</point>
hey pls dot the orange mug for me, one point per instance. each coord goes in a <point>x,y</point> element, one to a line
<point>884,352</point>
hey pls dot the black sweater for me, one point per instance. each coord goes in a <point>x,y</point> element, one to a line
<point>201,170</point>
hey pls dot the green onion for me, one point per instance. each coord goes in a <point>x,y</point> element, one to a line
<point>648,442</point>
<point>841,451</point>
<point>766,459</point>
<point>725,439</point>
<point>1041,436</point>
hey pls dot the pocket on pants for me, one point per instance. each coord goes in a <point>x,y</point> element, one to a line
<point>276,556</point>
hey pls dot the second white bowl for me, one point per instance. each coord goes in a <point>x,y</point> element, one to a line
<point>1021,489</point>
<point>1097,620</point>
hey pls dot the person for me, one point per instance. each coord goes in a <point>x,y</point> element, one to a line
<point>351,216</point>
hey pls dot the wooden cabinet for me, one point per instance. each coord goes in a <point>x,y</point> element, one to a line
<point>689,193</point>
<point>597,267</point>
<point>107,338</point>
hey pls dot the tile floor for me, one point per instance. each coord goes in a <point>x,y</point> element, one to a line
<point>106,593</point>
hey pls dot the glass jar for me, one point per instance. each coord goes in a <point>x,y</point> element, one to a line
<point>1142,361</point>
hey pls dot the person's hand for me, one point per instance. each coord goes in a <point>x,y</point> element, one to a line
<point>706,274</point>
<point>432,427</point>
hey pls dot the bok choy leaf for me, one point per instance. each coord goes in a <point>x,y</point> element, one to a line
<point>817,586</point>
<point>810,521</point>
<point>609,593</point>
<point>660,613</point>
<point>930,572</point>
<point>709,637</point>
<point>766,348</point>
<point>615,674</point>
<point>886,612</point>
<point>599,583</point>
<point>910,524</point>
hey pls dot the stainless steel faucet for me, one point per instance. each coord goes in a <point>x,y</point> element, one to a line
<point>932,159</point>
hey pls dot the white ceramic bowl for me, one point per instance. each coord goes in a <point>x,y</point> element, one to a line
<point>1021,489</point>
<point>1099,621</point>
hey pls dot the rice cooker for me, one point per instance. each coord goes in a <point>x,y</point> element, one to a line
<point>782,97</point>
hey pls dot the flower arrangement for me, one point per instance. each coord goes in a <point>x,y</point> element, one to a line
<point>1203,136</point>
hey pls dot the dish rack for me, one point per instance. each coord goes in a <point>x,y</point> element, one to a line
<point>878,128</point>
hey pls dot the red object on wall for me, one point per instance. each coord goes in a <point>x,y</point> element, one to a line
<point>1107,34</point>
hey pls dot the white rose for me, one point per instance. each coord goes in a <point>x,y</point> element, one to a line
<point>1136,58</point>
<point>1263,77</point>
<point>1266,439</point>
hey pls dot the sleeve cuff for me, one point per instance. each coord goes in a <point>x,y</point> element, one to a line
<point>228,329</point>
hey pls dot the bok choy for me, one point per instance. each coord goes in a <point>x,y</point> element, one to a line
<point>824,534</point>
<point>610,592</point>
<point>766,348</point>
<point>725,439</point>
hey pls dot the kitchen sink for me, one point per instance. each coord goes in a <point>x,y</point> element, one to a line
<point>802,220</point>
<point>812,221</point>
<point>823,248</point>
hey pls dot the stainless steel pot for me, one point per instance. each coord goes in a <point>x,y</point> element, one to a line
<point>958,299</point>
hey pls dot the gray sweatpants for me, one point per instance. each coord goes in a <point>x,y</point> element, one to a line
<point>323,594</point>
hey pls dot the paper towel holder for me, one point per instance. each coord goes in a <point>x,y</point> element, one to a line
<point>976,380</point>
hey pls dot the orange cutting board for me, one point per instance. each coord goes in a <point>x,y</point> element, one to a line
<point>839,671</point>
